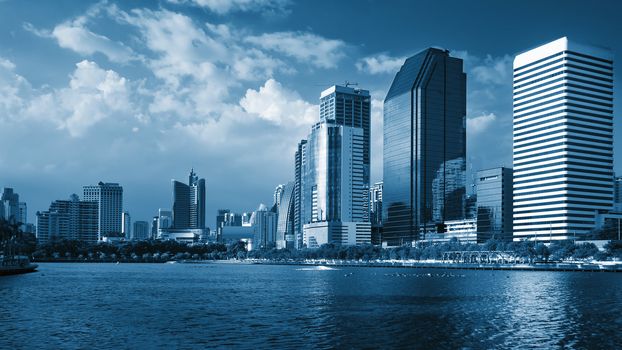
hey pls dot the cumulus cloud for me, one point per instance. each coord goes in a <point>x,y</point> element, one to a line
<point>479,124</point>
<point>380,64</point>
<point>74,35</point>
<point>278,105</point>
<point>226,6</point>
<point>306,47</point>
<point>493,70</point>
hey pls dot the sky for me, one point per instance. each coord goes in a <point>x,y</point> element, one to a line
<point>140,92</point>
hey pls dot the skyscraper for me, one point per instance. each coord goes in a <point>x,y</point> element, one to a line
<point>285,211</point>
<point>140,231</point>
<point>494,204</point>
<point>126,224</point>
<point>264,224</point>
<point>189,203</point>
<point>424,146</point>
<point>109,199</point>
<point>299,164</point>
<point>335,198</point>
<point>9,205</point>
<point>563,139</point>
<point>343,105</point>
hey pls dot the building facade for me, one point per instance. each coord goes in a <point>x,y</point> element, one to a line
<point>299,166</point>
<point>265,227</point>
<point>126,224</point>
<point>140,231</point>
<point>617,194</point>
<point>109,199</point>
<point>69,219</point>
<point>424,158</point>
<point>9,205</point>
<point>285,224</point>
<point>563,139</point>
<point>494,204</point>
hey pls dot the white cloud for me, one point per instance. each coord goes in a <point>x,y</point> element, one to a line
<point>306,47</point>
<point>380,64</point>
<point>479,124</point>
<point>13,91</point>
<point>493,70</point>
<point>74,35</point>
<point>278,105</point>
<point>225,6</point>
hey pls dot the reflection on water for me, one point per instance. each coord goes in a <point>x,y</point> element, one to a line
<point>255,306</point>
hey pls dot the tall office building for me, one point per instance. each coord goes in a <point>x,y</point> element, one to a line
<point>197,201</point>
<point>69,219</point>
<point>375,212</point>
<point>189,203</point>
<point>23,213</point>
<point>9,205</point>
<point>343,105</point>
<point>494,204</point>
<point>335,198</point>
<point>278,194</point>
<point>617,194</point>
<point>563,139</point>
<point>424,146</point>
<point>109,199</point>
<point>299,164</point>
<point>265,227</point>
<point>285,211</point>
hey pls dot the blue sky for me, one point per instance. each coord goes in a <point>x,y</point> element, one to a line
<point>138,92</point>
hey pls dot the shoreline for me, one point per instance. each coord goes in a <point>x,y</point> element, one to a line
<point>559,266</point>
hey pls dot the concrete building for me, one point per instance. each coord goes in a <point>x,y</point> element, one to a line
<point>109,199</point>
<point>264,225</point>
<point>189,203</point>
<point>563,140</point>
<point>140,231</point>
<point>9,205</point>
<point>69,219</point>
<point>424,158</point>
<point>494,204</point>
<point>617,194</point>
<point>375,212</point>
<point>299,200</point>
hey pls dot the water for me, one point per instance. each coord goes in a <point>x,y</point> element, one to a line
<point>188,306</point>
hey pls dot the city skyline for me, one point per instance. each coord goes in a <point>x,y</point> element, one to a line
<point>88,54</point>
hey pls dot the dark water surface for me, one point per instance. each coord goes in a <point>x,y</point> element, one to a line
<point>194,306</point>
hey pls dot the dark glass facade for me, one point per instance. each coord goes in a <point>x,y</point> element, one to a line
<point>494,204</point>
<point>424,146</point>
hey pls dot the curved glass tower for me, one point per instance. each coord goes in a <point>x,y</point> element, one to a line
<point>424,147</point>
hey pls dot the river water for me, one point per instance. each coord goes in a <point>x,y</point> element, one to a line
<point>194,306</point>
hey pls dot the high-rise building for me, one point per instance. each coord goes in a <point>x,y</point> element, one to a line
<point>69,219</point>
<point>333,186</point>
<point>617,194</point>
<point>264,225</point>
<point>375,212</point>
<point>424,146</point>
<point>23,213</point>
<point>154,227</point>
<point>343,105</point>
<point>563,139</point>
<point>141,231</point>
<point>126,225</point>
<point>285,211</point>
<point>278,194</point>
<point>109,199</point>
<point>9,205</point>
<point>299,164</point>
<point>189,203</point>
<point>494,204</point>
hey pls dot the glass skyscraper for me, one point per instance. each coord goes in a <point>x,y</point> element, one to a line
<point>563,139</point>
<point>189,203</point>
<point>109,198</point>
<point>424,146</point>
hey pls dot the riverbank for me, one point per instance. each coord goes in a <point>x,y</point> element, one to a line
<point>605,266</point>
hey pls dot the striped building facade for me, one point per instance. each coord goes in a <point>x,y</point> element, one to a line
<point>563,140</point>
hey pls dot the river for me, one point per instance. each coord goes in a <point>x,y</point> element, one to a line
<point>195,306</point>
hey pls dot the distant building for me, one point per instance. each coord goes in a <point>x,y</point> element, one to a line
<point>232,234</point>
<point>494,204</point>
<point>126,225</point>
<point>246,219</point>
<point>264,224</point>
<point>464,231</point>
<point>278,194</point>
<point>563,140</point>
<point>69,219</point>
<point>617,194</point>
<point>299,202</point>
<point>164,219</point>
<point>140,231</point>
<point>9,205</point>
<point>375,212</point>
<point>154,227</point>
<point>285,210</point>
<point>424,159</point>
<point>109,199</point>
<point>189,203</point>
